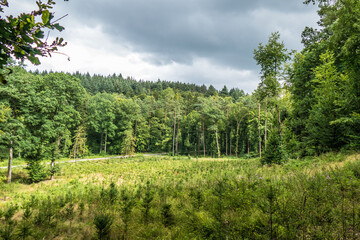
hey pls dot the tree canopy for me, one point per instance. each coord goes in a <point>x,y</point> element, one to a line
<point>23,37</point>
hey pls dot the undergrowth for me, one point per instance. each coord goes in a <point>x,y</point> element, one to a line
<point>188,198</point>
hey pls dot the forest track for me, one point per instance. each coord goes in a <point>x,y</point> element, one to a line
<point>91,159</point>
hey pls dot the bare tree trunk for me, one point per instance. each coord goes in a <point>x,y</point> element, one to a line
<point>279,119</point>
<point>230,141</point>
<point>56,152</point>
<point>217,143</point>
<point>177,137</point>
<point>226,132</point>
<point>52,167</point>
<point>105,142</point>
<point>237,139</point>
<point>266,113</point>
<point>75,149</point>
<point>150,119</point>
<point>248,148</point>
<point>173,144</point>
<point>259,132</point>
<point>226,142</point>
<point>198,146</point>
<point>101,142</point>
<point>10,160</point>
<point>204,136</point>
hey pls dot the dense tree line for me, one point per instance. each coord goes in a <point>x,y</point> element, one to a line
<point>324,81</point>
<point>306,103</point>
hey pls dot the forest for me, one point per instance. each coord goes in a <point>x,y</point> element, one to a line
<point>306,103</point>
<point>278,163</point>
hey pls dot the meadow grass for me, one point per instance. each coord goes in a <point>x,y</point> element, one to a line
<point>162,197</point>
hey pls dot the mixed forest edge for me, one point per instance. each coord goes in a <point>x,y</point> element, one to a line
<point>307,103</point>
<point>279,163</point>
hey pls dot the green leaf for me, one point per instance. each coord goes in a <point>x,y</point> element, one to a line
<point>34,60</point>
<point>58,27</point>
<point>39,34</point>
<point>45,16</point>
<point>18,50</point>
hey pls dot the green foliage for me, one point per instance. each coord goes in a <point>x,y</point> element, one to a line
<point>79,148</point>
<point>270,58</point>
<point>23,36</point>
<point>273,153</point>
<point>7,231</point>
<point>167,216</point>
<point>146,202</point>
<point>113,193</point>
<point>127,205</point>
<point>54,169</point>
<point>47,212</point>
<point>37,171</point>
<point>103,223</point>
<point>47,116</point>
<point>322,134</point>
<point>128,144</point>
<point>219,198</point>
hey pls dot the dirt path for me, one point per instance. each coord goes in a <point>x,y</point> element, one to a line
<point>91,159</point>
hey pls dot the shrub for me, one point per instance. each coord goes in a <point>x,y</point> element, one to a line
<point>273,153</point>
<point>36,171</point>
<point>103,222</point>
<point>167,215</point>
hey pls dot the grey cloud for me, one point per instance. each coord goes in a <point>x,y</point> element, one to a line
<point>224,31</point>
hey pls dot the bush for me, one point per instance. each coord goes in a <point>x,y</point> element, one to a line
<point>36,171</point>
<point>273,153</point>
<point>167,216</point>
<point>103,224</point>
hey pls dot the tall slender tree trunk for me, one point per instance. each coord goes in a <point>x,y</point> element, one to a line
<point>148,147</point>
<point>226,132</point>
<point>279,119</point>
<point>177,137</point>
<point>105,142</point>
<point>266,113</point>
<point>226,142</point>
<point>150,119</point>
<point>248,148</point>
<point>10,160</point>
<point>217,143</point>
<point>237,138</point>
<point>173,144</point>
<point>259,132</point>
<point>135,128</point>
<point>55,153</point>
<point>230,142</point>
<point>204,137</point>
<point>75,149</point>
<point>52,167</point>
<point>101,142</point>
<point>198,146</point>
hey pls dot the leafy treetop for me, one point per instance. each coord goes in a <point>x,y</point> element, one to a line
<point>23,36</point>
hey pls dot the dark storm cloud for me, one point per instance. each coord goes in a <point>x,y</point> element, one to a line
<point>196,41</point>
<point>223,31</point>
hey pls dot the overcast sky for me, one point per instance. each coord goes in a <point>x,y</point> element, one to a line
<point>194,41</point>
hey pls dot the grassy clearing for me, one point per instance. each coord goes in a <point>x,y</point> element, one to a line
<point>161,197</point>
